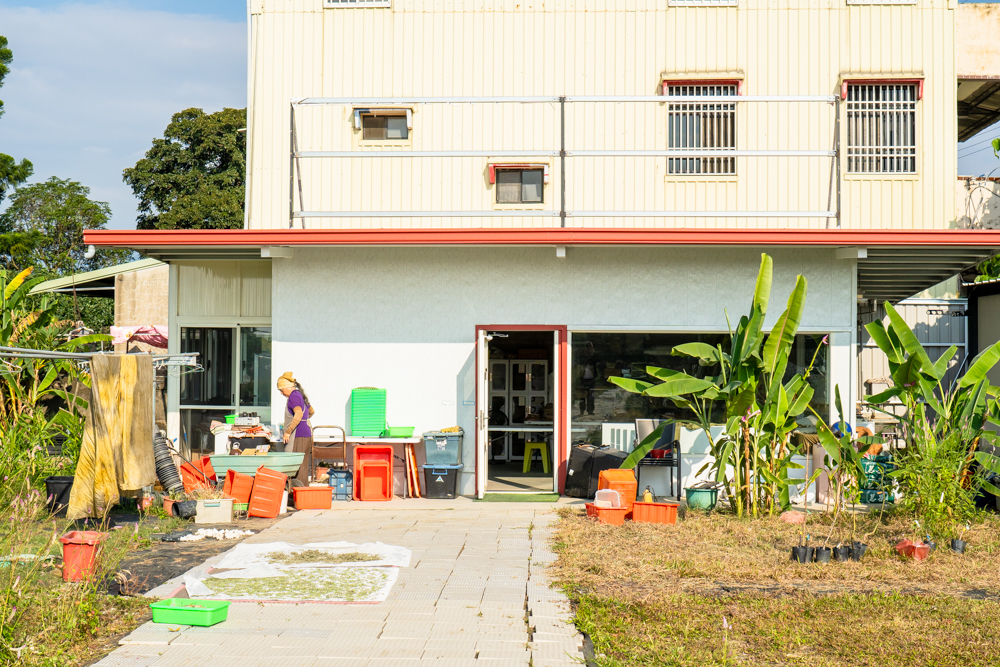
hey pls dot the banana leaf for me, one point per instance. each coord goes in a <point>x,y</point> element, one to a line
<point>881,337</point>
<point>908,339</point>
<point>981,365</point>
<point>884,396</point>
<point>706,354</point>
<point>679,385</point>
<point>782,337</point>
<point>632,460</point>
<point>630,385</point>
<point>941,365</point>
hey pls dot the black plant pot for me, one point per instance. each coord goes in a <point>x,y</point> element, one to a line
<point>932,545</point>
<point>842,554</point>
<point>187,508</point>
<point>823,554</point>
<point>799,554</point>
<point>958,546</point>
<point>858,551</point>
<point>810,554</point>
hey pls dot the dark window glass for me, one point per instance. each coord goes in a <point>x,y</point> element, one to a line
<point>519,186</point>
<point>213,385</point>
<point>384,127</point>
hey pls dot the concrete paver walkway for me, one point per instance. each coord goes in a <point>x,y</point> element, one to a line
<point>475,594</point>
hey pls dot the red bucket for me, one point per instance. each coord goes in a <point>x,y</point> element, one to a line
<point>80,553</point>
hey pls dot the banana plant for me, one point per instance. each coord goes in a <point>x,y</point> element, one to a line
<point>747,395</point>
<point>841,458</point>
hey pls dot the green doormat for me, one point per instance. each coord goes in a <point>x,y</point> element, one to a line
<point>519,498</point>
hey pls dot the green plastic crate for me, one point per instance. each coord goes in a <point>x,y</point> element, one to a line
<point>367,412</point>
<point>182,611</point>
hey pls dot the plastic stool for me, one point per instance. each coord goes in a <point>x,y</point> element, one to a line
<point>529,449</point>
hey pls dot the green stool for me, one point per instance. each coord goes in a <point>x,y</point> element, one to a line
<point>532,447</point>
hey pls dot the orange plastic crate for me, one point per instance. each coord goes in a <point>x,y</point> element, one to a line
<point>313,497</point>
<point>591,511</point>
<point>622,481</point>
<point>193,479</point>
<point>373,481</point>
<point>268,489</point>
<point>654,513</point>
<point>238,486</point>
<point>613,516</point>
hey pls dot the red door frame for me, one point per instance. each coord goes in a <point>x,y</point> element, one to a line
<point>561,453</point>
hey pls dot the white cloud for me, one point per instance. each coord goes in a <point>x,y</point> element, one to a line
<point>92,85</point>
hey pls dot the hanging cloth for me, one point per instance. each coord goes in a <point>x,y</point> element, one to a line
<point>117,450</point>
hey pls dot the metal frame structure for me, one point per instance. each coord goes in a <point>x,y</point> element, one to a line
<point>295,155</point>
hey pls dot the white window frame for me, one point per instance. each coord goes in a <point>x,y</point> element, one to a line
<point>355,4</point>
<point>720,117</point>
<point>881,127</point>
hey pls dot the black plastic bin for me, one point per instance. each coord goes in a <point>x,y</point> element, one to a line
<point>441,481</point>
<point>57,490</point>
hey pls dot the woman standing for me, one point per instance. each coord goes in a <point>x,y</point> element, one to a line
<point>297,432</point>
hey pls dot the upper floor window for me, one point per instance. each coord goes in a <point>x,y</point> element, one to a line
<point>519,186</point>
<point>881,128</point>
<point>701,125</point>
<point>329,4</point>
<point>384,127</point>
<point>704,3</point>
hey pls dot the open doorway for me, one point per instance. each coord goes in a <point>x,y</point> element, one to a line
<point>519,399</point>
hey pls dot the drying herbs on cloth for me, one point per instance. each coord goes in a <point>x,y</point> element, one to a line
<point>318,571</point>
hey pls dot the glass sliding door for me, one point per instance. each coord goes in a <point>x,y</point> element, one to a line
<point>255,371</point>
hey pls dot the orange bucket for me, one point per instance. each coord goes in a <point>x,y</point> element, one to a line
<point>80,553</point>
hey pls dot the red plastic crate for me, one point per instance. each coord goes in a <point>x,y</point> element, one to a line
<point>193,479</point>
<point>591,511</point>
<point>313,497</point>
<point>268,489</point>
<point>613,516</point>
<point>238,486</point>
<point>654,513</point>
<point>373,481</point>
<point>622,481</point>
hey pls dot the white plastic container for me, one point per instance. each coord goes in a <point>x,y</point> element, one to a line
<point>215,511</point>
<point>607,498</point>
<point>284,503</point>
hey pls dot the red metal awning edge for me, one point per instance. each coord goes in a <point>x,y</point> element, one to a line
<point>250,238</point>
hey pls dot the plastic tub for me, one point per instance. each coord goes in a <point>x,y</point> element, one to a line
<point>268,488</point>
<point>612,497</point>
<point>622,481</point>
<point>373,481</point>
<point>283,462</point>
<point>441,481</point>
<point>613,516</point>
<point>312,497</point>
<point>442,448</point>
<point>238,486</point>
<point>701,499</point>
<point>398,432</point>
<point>183,611</point>
<point>230,419</point>
<point>591,511</point>
<point>215,511</point>
<point>655,513</point>
<point>57,490</point>
<point>80,553</point>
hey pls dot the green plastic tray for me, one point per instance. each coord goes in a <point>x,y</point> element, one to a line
<point>398,432</point>
<point>182,611</point>
<point>283,462</point>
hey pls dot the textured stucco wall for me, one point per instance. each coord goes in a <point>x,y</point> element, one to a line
<point>405,319</point>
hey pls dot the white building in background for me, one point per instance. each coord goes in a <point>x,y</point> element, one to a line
<point>488,208</point>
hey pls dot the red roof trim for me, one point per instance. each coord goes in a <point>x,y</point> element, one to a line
<point>235,238</point>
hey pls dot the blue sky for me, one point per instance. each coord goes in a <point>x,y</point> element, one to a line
<point>93,83</point>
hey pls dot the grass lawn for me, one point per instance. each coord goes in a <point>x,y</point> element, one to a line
<point>656,595</point>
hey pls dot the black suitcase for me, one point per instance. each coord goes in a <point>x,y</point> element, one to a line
<point>581,458</point>
<point>605,458</point>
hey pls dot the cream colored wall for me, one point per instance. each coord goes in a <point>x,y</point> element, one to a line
<point>591,47</point>
<point>141,300</point>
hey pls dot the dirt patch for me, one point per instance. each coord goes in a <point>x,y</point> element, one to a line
<point>162,561</point>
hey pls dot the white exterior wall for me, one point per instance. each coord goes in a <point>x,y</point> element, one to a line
<point>404,318</point>
<point>593,47</point>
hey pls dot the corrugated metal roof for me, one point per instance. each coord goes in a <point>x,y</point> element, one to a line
<point>95,283</point>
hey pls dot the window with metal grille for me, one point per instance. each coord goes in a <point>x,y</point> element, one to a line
<point>701,125</point>
<point>330,4</point>
<point>881,128</point>
<point>382,128</point>
<point>704,3</point>
<point>519,186</point>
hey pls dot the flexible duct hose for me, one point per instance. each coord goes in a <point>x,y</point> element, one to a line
<point>166,471</point>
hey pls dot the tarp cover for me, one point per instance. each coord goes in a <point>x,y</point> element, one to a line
<point>117,450</point>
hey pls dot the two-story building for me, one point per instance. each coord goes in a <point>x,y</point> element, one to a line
<point>488,207</point>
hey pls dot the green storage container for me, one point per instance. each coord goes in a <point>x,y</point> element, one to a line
<point>398,432</point>
<point>183,611</point>
<point>367,411</point>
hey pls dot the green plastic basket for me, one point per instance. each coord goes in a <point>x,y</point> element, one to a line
<point>398,432</point>
<point>367,411</point>
<point>182,611</point>
<point>241,507</point>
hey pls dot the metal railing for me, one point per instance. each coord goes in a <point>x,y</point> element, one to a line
<point>562,153</point>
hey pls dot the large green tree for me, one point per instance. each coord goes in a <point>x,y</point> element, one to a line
<point>195,177</point>
<point>12,172</point>
<point>44,225</point>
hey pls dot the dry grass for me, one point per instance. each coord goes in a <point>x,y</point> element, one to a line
<point>717,553</point>
<point>650,595</point>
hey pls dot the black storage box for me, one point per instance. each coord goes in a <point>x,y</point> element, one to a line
<point>441,481</point>
<point>581,459</point>
<point>605,458</point>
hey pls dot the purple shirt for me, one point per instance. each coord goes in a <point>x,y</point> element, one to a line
<point>295,400</point>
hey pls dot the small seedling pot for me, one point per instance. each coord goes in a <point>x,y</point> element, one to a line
<point>921,551</point>
<point>810,554</point>
<point>799,554</point>
<point>932,545</point>
<point>958,546</point>
<point>842,554</point>
<point>823,554</point>
<point>858,551</point>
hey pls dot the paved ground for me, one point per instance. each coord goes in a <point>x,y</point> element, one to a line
<point>475,594</point>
